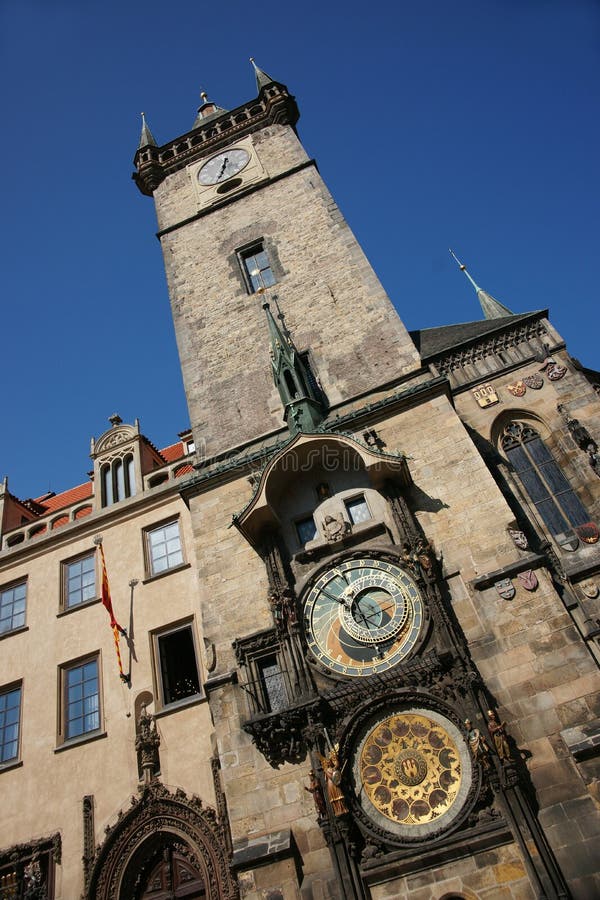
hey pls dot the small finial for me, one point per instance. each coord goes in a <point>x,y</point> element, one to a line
<point>460,265</point>
<point>115,420</point>
<point>204,96</point>
<point>98,540</point>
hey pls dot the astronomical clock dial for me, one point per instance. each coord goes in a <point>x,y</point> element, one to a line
<point>363,616</point>
<point>412,772</point>
<point>223,166</point>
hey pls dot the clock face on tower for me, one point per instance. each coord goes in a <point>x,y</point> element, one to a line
<point>223,166</point>
<point>363,616</point>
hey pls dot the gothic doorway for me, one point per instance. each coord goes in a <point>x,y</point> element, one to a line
<point>165,870</point>
<point>165,847</point>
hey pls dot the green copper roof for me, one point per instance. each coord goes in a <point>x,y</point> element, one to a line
<point>262,79</point>
<point>492,308</point>
<point>146,137</point>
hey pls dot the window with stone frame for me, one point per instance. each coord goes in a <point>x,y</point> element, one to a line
<point>266,680</point>
<point>80,712</point>
<point>28,870</point>
<point>13,599</point>
<point>79,581</point>
<point>10,725</point>
<point>558,505</point>
<point>163,548</point>
<point>357,509</point>
<point>256,267</point>
<point>176,665</point>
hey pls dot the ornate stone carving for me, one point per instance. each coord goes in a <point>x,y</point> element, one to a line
<point>279,736</point>
<point>498,732</point>
<point>335,528</point>
<point>131,840</point>
<point>491,347</point>
<point>478,746</point>
<point>519,538</point>
<point>314,788</point>
<point>88,835</point>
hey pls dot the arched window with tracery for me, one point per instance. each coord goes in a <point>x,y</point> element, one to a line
<point>118,480</point>
<point>557,503</point>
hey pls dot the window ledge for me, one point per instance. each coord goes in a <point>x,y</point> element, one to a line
<point>166,572</point>
<point>82,739</point>
<point>72,609</point>
<point>194,700</point>
<point>20,630</point>
<point>8,766</point>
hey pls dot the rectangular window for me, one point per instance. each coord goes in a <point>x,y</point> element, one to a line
<point>306,529</point>
<point>10,721</point>
<point>12,607</point>
<point>79,581</point>
<point>163,548</point>
<point>177,669</point>
<point>357,510</point>
<point>80,694</point>
<point>271,682</point>
<point>257,268</point>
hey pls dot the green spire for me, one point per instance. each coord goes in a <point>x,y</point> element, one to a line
<point>207,110</point>
<point>262,79</point>
<point>303,410</point>
<point>492,308</point>
<point>146,137</point>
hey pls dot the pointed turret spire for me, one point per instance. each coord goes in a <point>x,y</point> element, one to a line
<point>207,110</point>
<point>146,137</point>
<point>303,410</point>
<point>262,79</point>
<point>492,308</point>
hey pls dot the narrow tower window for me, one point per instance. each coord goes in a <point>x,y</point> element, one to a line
<point>256,267</point>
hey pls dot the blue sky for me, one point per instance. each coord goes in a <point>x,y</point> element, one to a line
<point>472,124</point>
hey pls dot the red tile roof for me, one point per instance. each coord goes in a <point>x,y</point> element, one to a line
<point>173,452</point>
<point>66,498</point>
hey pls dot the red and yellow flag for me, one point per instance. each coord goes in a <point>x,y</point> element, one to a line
<point>107,603</point>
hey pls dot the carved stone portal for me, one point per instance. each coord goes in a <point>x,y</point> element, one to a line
<point>162,836</point>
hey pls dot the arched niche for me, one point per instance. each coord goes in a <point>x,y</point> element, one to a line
<point>339,460</point>
<point>163,837</point>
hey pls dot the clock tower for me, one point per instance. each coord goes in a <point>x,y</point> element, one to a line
<point>346,529</point>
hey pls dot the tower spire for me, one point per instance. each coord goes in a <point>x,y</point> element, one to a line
<point>492,308</point>
<point>146,137</point>
<point>262,79</point>
<point>303,410</point>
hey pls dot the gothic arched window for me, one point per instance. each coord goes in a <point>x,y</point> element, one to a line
<point>118,480</point>
<point>555,500</point>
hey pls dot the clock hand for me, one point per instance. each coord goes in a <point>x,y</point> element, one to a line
<point>223,167</point>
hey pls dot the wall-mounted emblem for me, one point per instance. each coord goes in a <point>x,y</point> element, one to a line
<point>590,588</point>
<point>519,538</point>
<point>588,533</point>
<point>528,580</point>
<point>567,540</point>
<point>486,395</point>
<point>517,389</point>
<point>553,370</point>
<point>505,588</point>
<point>535,382</point>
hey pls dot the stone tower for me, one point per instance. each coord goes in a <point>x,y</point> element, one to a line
<point>367,635</point>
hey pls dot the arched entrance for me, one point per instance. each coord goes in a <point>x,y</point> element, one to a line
<point>165,847</point>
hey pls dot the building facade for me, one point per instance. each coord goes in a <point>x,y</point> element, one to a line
<point>359,597</point>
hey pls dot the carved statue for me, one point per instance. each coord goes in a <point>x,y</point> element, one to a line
<point>498,732</point>
<point>147,742</point>
<point>333,778</point>
<point>420,560</point>
<point>34,882</point>
<point>594,457</point>
<point>478,745</point>
<point>316,790</point>
<point>334,529</point>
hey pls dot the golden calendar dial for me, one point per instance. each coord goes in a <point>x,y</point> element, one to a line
<point>412,771</point>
